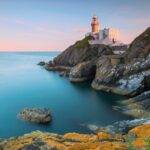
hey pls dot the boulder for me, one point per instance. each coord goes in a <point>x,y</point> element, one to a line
<point>35,115</point>
<point>83,71</point>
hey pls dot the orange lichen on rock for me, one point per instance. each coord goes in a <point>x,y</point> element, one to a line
<point>112,146</point>
<point>84,146</point>
<point>76,141</point>
<point>80,137</point>
<point>142,131</point>
<point>139,143</point>
<point>104,135</point>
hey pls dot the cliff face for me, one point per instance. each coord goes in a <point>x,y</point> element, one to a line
<point>130,77</point>
<point>140,47</point>
<point>81,51</point>
<point>136,138</point>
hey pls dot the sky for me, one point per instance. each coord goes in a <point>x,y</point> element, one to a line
<point>53,25</point>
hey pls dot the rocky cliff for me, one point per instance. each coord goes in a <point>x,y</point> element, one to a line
<point>136,138</point>
<point>127,74</point>
<point>80,52</point>
<point>140,47</point>
<point>129,77</point>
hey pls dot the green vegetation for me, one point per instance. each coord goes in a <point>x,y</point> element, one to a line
<point>147,141</point>
<point>83,43</point>
<point>129,141</point>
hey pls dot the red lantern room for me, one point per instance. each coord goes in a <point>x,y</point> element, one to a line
<point>95,24</point>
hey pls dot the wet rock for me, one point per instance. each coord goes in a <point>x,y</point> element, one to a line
<point>56,68</point>
<point>41,63</point>
<point>64,73</point>
<point>35,115</point>
<point>138,106</point>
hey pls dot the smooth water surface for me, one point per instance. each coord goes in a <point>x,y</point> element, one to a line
<point>73,106</point>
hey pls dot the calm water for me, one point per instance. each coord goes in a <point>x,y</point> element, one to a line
<point>24,84</point>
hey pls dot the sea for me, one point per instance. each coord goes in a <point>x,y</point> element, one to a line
<point>75,107</point>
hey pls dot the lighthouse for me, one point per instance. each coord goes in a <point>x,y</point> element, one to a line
<point>95,25</point>
<point>106,36</point>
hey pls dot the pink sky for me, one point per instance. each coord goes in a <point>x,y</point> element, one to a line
<point>55,25</point>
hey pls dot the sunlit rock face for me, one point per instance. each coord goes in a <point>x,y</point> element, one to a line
<point>135,138</point>
<point>140,47</point>
<point>129,77</point>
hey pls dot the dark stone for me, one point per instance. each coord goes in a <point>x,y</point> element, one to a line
<point>42,63</point>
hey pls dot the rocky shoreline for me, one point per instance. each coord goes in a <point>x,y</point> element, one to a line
<point>127,74</point>
<point>136,138</point>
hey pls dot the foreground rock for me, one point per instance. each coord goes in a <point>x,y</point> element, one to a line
<point>35,115</point>
<point>119,127</point>
<point>136,138</point>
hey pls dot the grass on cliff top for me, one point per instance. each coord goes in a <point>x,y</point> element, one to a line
<point>83,43</point>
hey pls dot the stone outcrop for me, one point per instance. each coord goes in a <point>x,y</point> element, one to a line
<point>122,127</point>
<point>80,52</point>
<point>126,74</point>
<point>129,77</point>
<point>138,106</point>
<point>35,115</point>
<point>83,71</point>
<point>140,47</point>
<point>136,138</point>
<point>123,79</point>
<point>79,60</point>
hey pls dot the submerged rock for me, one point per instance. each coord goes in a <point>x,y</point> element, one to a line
<point>35,115</point>
<point>41,63</point>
